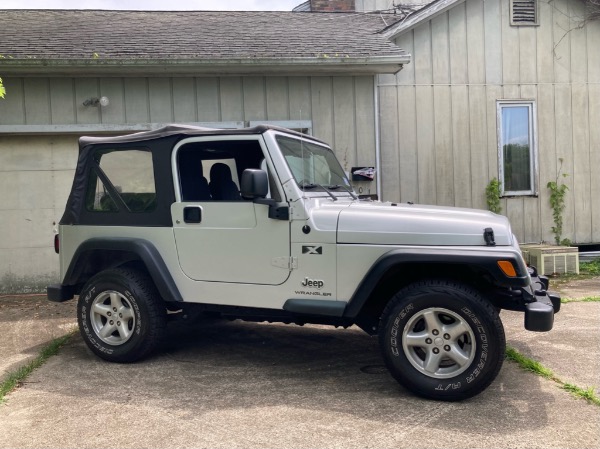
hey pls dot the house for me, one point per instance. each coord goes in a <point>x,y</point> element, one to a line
<point>73,73</point>
<point>506,89</point>
<point>440,99</point>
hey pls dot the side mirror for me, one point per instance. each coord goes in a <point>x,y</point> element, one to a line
<point>255,184</point>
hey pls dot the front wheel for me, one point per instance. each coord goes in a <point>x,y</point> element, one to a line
<point>442,340</point>
<point>121,316</point>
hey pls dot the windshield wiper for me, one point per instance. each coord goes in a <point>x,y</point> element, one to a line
<point>347,190</point>
<point>310,185</point>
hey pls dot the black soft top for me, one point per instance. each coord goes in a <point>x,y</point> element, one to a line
<point>161,143</point>
<point>185,131</point>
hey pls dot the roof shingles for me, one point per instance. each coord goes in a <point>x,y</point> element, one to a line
<point>190,35</point>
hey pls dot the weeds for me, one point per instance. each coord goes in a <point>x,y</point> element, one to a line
<point>586,299</point>
<point>492,196</point>
<point>17,378</point>
<point>529,364</point>
<point>591,268</point>
<point>589,394</point>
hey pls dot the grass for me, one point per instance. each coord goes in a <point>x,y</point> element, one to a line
<point>536,367</point>
<point>588,394</point>
<point>17,378</point>
<point>586,299</point>
<point>529,364</point>
<point>591,268</point>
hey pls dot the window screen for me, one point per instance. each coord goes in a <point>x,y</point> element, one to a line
<point>122,180</point>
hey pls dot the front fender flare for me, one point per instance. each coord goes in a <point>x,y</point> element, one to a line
<point>486,261</point>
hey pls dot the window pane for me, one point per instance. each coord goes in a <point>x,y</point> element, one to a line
<point>98,199</point>
<point>312,164</point>
<point>516,141</point>
<point>131,172</point>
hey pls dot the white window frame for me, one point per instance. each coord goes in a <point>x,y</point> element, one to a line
<point>533,153</point>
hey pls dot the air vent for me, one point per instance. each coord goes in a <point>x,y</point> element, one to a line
<point>549,259</point>
<point>523,12</point>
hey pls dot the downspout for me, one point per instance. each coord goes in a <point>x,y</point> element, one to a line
<point>377,137</point>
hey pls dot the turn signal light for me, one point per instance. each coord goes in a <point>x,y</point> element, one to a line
<point>56,244</point>
<point>507,268</point>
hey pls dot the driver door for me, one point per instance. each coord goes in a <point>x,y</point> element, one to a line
<point>234,240</point>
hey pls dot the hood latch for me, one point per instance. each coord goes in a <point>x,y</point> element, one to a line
<point>488,236</point>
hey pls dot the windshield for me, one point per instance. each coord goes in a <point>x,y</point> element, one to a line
<point>313,166</point>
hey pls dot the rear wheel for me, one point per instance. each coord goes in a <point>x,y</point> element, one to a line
<point>121,315</point>
<point>442,340</point>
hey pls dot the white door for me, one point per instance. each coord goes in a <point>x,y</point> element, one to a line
<point>227,241</point>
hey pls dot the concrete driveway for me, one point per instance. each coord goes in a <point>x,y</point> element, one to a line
<point>275,386</point>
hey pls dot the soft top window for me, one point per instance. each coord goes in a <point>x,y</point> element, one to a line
<point>122,180</point>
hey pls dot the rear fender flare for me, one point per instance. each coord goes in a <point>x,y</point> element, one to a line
<point>143,249</point>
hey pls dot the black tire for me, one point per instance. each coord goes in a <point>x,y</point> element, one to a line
<point>121,315</point>
<point>442,340</point>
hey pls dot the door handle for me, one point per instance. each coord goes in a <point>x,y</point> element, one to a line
<point>192,214</point>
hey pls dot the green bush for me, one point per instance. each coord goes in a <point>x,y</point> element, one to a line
<point>558,190</point>
<point>492,195</point>
<point>591,268</point>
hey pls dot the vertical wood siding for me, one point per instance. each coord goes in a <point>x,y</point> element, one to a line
<point>340,107</point>
<point>36,172</point>
<point>443,108</point>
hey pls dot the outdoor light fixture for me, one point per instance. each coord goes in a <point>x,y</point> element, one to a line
<point>95,101</point>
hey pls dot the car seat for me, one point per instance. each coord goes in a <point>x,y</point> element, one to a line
<point>222,187</point>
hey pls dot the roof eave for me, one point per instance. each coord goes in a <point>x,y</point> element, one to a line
<point>427,13</point>
<point>320,65</point>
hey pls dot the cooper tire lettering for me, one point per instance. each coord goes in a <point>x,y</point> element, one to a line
<point>412,326</point>
<point>132,294</point>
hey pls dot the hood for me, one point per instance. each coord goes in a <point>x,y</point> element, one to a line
<point>407,224</point>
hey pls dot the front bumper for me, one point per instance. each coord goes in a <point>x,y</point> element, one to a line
<point>541,307</point>
<point>536,301</point>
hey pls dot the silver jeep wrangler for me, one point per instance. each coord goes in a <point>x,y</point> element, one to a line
<point>261,224</point>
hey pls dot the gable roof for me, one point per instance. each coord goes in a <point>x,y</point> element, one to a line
<point>428,12</point>
<point>199,41</point>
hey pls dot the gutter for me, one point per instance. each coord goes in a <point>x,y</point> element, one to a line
<point>322,64</point>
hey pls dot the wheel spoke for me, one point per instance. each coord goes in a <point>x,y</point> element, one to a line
<point>124,331</point>
<point>125,313</point>
<point>115,301</point>
<point>432,362</point>
<point>107,330</point>
<point>416,339</point>
<point>431,320</point>
<point>458,355</point>
<point>455,330</point>
<point>101,309</point>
